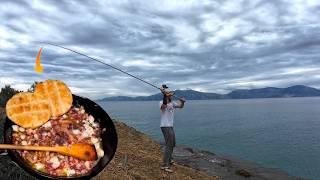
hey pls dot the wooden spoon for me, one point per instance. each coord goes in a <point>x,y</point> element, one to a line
<point>83,151</point>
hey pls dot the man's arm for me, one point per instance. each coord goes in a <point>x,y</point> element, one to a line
<point>164,99</point>
<point>163,104</point>
<point>181,103</point>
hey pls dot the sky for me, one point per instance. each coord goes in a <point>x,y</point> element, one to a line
<point>208,46</point>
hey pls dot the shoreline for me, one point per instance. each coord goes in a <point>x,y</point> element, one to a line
<point>227,167</point>
<point>216,166</point>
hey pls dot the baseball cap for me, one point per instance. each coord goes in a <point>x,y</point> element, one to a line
<point>165,86</point>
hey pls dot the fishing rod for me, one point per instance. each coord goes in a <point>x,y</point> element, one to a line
<point>113,67</point>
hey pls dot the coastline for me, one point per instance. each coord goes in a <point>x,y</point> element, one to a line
<point>134,146</point>
<point>227,167</point>
<point>140,157</point>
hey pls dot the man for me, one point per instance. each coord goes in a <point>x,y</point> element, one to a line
<point>167,108</point>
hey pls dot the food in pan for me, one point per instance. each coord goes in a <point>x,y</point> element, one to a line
<point>47,118</point>
<point>76,126</point>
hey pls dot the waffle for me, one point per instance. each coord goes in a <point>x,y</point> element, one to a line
<point>28,110</point>
<point>58,95</point>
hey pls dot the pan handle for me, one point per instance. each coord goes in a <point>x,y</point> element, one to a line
<point>2,121</point>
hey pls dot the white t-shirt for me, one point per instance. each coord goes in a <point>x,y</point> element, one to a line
<point>167,114</point>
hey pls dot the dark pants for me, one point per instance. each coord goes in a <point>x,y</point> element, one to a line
<point>170,143</point>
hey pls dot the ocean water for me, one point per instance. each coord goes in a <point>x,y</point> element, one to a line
<point>281,133</point>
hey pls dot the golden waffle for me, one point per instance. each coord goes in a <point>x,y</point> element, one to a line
<point>28,110</point>
<point>58,95</point>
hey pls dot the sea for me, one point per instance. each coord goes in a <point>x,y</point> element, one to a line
<point>282,133</point>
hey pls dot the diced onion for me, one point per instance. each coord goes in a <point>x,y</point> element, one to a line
<point>21,129</point>
<point>39,166</point>
<point>55,162</point>
<point>22,136</point>
<point>87,164</point>
<point>99,150</point>
<point>100,153</point>
<point>94,140</point>
<point>47,125</point>
<point>24,143</point>
<point>76,131</point>
<point>15,128</point>
<point>91,119</point>
<point>70,172</point>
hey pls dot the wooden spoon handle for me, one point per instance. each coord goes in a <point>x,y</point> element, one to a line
<point>32,148</point>
<point>85,152</point>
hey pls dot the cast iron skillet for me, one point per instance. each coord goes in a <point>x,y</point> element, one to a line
<point>109,140</point>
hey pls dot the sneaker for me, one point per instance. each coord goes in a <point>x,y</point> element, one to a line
<point>166,168</point>
<point>172,162</point>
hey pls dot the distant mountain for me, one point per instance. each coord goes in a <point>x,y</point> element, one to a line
<point>188,94</point>
<point>268,92</point>
<point>271,92</point>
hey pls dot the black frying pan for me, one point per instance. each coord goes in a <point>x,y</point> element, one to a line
<point>109,140</point>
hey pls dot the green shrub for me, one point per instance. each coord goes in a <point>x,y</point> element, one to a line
<point>6,93</point>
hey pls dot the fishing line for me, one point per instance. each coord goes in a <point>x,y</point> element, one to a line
<point>97,60</point>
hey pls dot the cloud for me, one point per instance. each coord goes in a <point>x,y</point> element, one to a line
<point>204,45</point>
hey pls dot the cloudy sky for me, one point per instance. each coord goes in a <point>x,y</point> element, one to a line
<point>210,46</point>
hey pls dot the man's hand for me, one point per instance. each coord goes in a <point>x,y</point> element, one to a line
<point>181,104</point>
<point>182,99</point>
